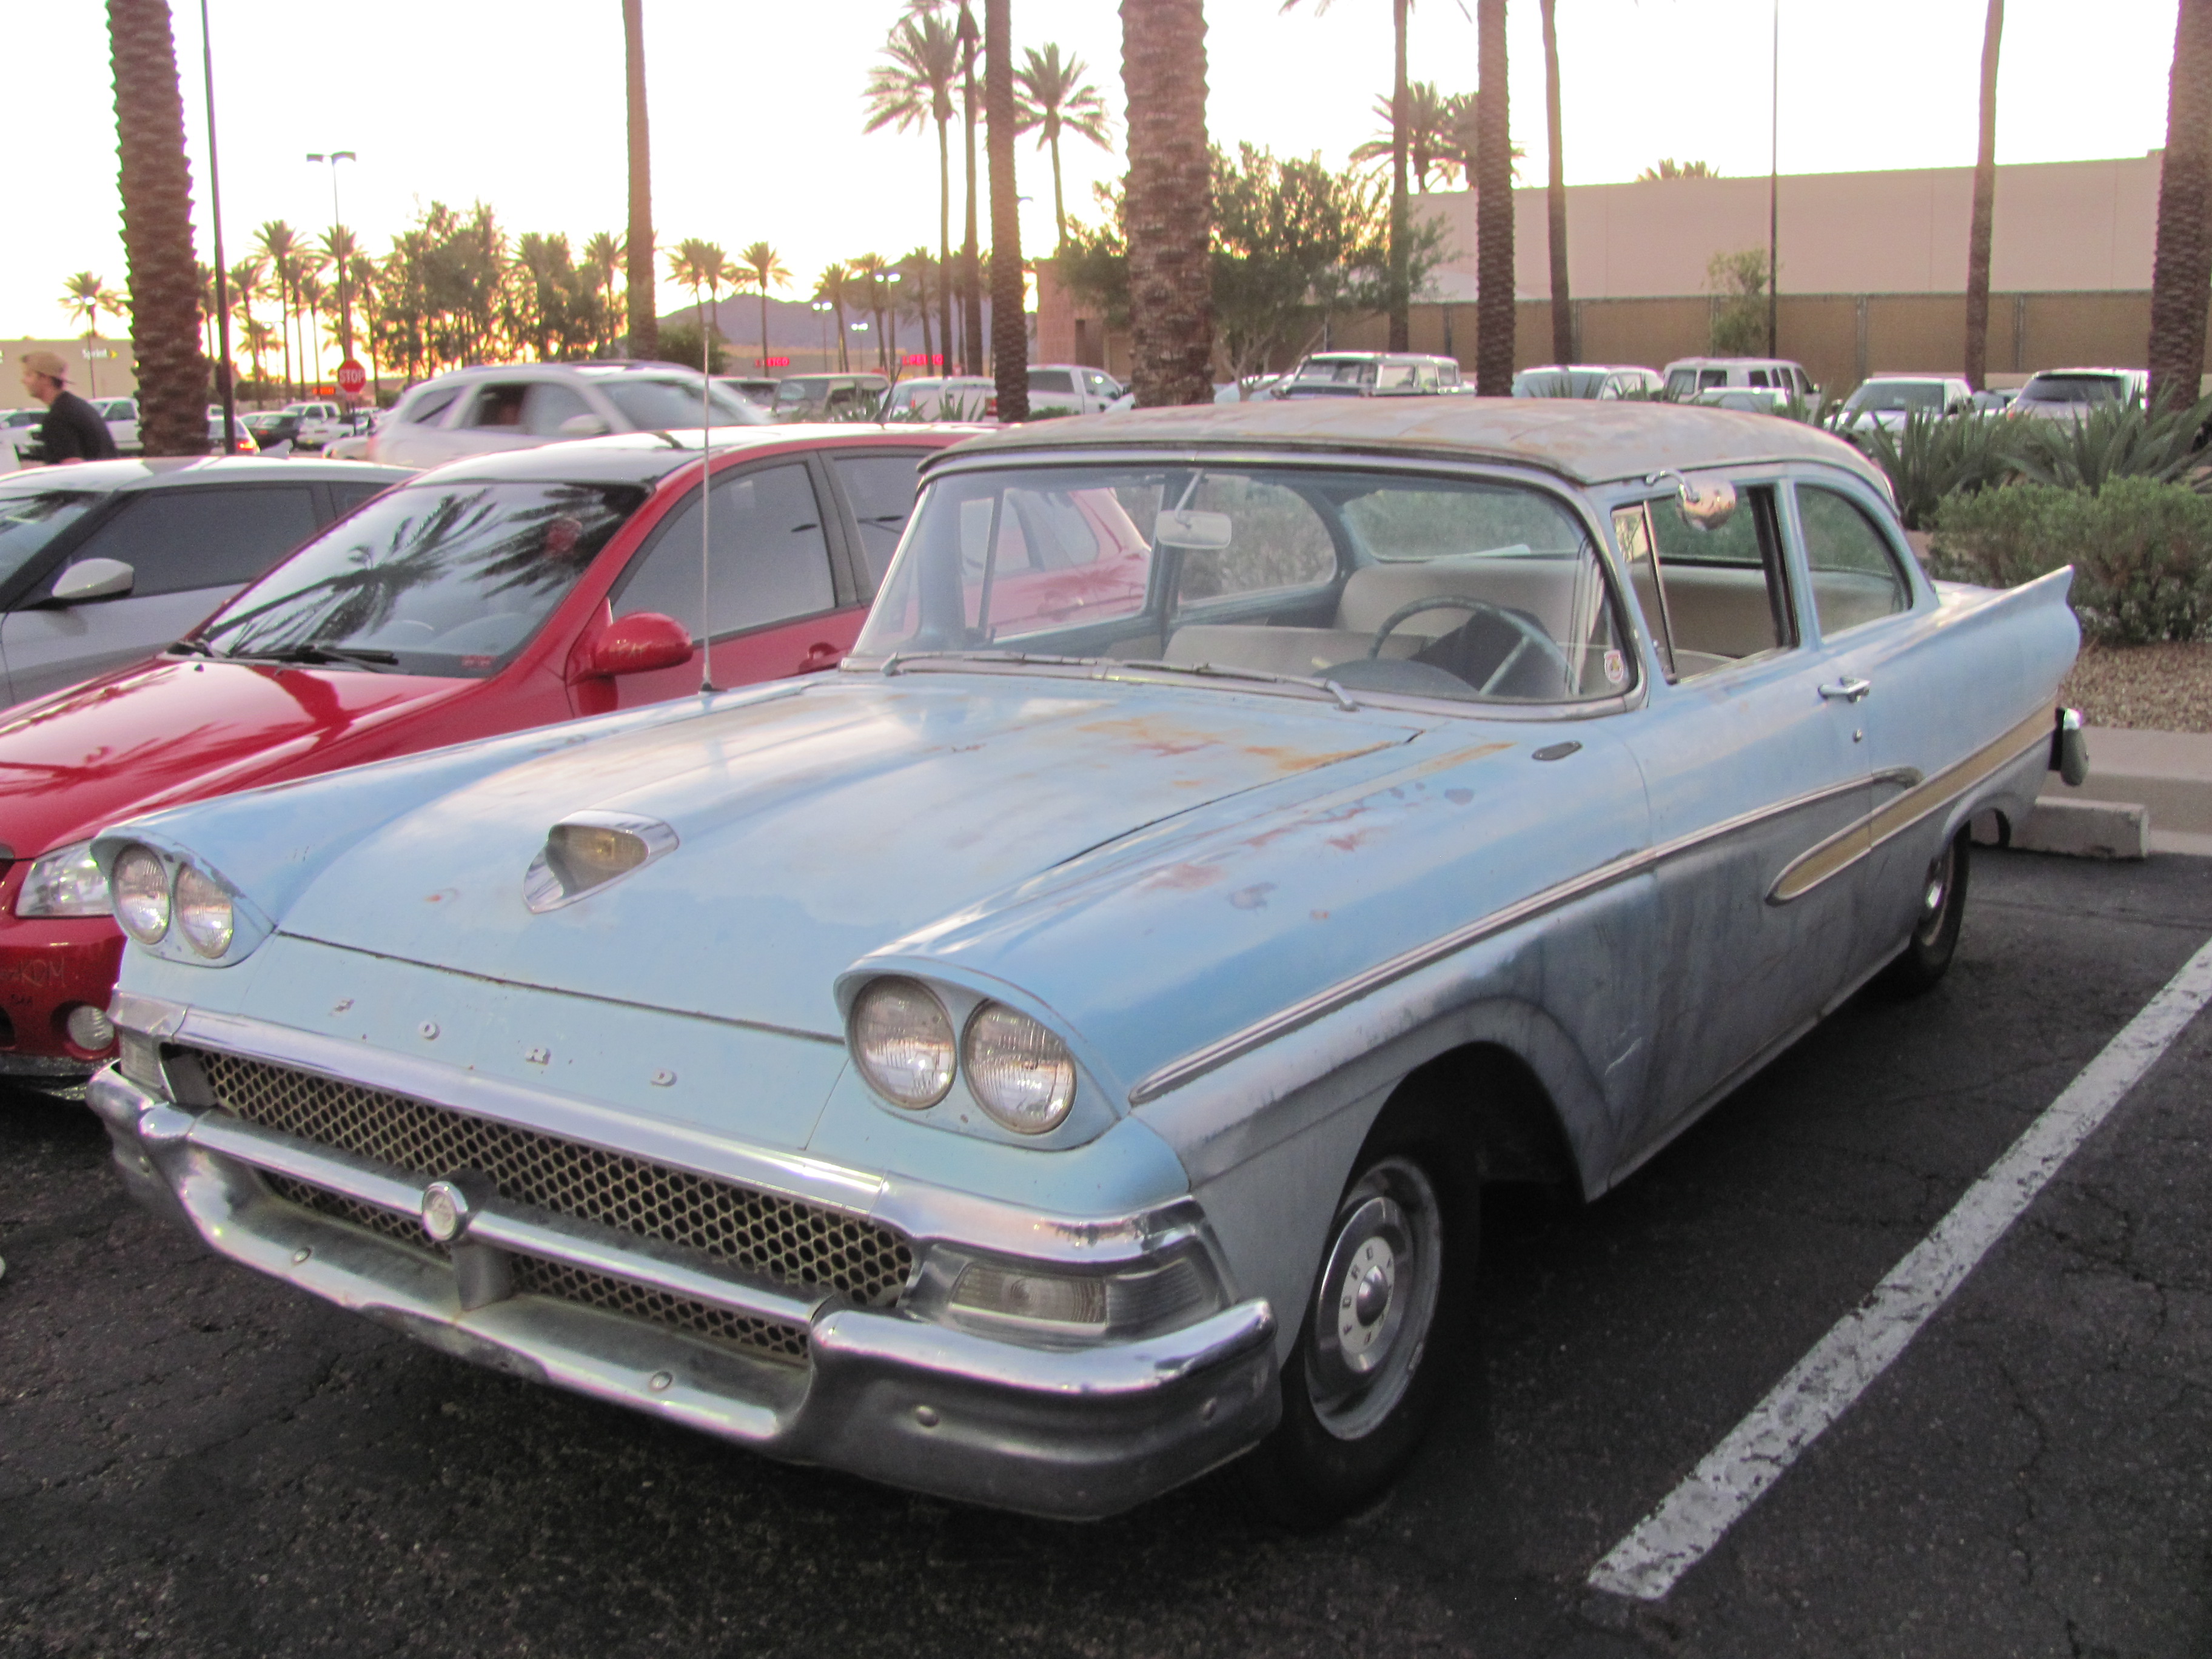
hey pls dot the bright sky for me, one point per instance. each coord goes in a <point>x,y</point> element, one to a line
<point>757,113</point>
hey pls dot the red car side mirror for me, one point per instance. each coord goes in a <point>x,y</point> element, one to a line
<point>641,641</point>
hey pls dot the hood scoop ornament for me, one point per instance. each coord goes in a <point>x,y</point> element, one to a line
<point>586,850</point>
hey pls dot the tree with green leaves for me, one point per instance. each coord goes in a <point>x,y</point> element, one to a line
<point>603,257</point>
<point>1738,321</point>
<point>759,268</point>
<point>1052,97</point>
<point>340,245</point>
<point>88,299</point>
<point>1400,118</point>
<point>1667,168</point>
<point>836,285</point>
<point>913,86</point>
<point>702,267</point>
<point>1429,146</point>
<point>249,283</point>
<point>155,183</point>
<point>279,244</point>
<point>921,287</point>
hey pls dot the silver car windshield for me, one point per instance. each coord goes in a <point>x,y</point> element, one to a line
<point>430,579</point>
<point>27,523</point>
<point>1419,586</point>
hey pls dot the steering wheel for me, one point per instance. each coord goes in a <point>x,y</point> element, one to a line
<point>1532,635</point>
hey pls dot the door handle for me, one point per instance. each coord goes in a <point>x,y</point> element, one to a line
<point>1849,690</point>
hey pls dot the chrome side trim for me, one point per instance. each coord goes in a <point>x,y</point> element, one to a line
<point>1885,823</point>
<point>1326,1002</point>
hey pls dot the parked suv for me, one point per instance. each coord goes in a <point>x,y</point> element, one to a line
<point>1889,401</point>
<point>1070,389</point>
<point>1602,380</point>
<point>829,397</point>
<point>488,412</point>
<point>1370,374</point>
<point>2070,393</point>
<point>1689,376</point>
<point>319,422</point>
<point>951,398</point>
<point>105,563</point>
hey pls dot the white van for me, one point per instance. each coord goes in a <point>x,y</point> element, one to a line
<point>1687,376</point>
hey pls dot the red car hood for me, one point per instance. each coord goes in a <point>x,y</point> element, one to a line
<point>175,729</point>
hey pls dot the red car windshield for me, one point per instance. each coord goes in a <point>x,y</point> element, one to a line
<point>432,579</point>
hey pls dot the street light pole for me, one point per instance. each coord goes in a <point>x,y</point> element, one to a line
<point>345,308</point>
<point>224,375</point>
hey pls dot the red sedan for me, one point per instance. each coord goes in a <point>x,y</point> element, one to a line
<point>487,596</point>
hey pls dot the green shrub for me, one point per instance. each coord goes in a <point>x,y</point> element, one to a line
<point>1934,458</point>
<point>2112,440</point>
<point>2141,549</point>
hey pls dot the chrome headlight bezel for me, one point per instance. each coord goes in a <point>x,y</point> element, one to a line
<point>65,882</point>
<point>228,927</point>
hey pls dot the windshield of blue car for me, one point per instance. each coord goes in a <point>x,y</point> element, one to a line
<point>658,405</point>
<point>437,578</point>
<point>1411,586</point>
<point>29,522</point>
<point>1883,397</point>
<point>2071,389</point>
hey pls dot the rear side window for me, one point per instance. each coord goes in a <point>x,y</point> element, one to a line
<point>1854,576</point>
<point>771,561</point>
<point>1711,598</point>
<point>176,540</point>
<point>1051,379</point>
<point>881,489</point>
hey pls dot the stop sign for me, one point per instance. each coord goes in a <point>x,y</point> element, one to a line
<point>353,378</point>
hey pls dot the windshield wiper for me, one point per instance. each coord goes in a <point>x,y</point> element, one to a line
<point>314,656</point>
<point>1215,671</point>
<point>194,648</point>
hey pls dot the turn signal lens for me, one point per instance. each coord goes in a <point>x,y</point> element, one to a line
<point>204,915</point>
<point>142,894</point>
<point>902,1039</point>
<point>1022,1074</point>
<point>585,855</point>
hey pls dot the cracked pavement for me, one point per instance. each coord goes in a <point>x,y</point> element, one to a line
<point>194,1460</point>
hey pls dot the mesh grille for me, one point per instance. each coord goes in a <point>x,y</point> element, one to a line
<point>803,1245</point>
<point>391,1224</point>
<point>567,1284</point>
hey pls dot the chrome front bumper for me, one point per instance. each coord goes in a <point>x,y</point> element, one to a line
<point>1071,1433</point>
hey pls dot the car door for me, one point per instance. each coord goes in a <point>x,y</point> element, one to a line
<point>1872,620</point>
<point>780,605</point>
<point>492,421</point>
<point>1757,781</point>
<point>189,548</point>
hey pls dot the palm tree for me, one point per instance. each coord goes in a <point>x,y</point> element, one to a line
<point>870,276</point>
<point>1010,333</point>
<point>915,86</point>
<point>259,339</point>
<point>836,285</point>
<point>702,267</point>
<point>1169,201</point>
<point>1555,194</point>
<point>87,298</point>
<point>1667,168</point>
<point>339,247</point>
<point>311,296</point>
<point>1986,192</point>
<point>1429,141</point>
<point>644,316</point>
<point>1401,293</point>
<point>1493,208</point>
<point>1051,97</point>
<point>603,254</point>
<point>971,275</point>
<point>2182,268</point>
<point>249,281</point>
<point>205,276</point>
<point>155,182</point>
<point>757,268</point>
<point>921,290</point>
<point>277,242</point>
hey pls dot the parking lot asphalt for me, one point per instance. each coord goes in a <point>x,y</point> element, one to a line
<point>194,1460</point>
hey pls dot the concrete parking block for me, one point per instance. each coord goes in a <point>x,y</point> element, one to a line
<point>2085,830</point>
<point>2169,773</point>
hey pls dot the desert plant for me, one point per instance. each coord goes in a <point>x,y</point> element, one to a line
<point>2141,549</point>
<point>2114,441</point>
<point>1934,457</point>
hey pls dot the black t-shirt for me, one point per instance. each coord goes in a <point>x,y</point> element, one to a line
<point>73,431</point>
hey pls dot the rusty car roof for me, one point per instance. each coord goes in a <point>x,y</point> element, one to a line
<point>1585,442</point>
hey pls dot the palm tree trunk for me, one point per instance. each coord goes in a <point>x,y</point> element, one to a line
<point>1493,208</point>
<point>763,300</point>
<point>1401,299</point>
<point>284,327</point>
<point>1009,344</point>
<point>644,316</point>
<point>1169,203</point>
<point>156,185</point>
<point>1555,195</point>
<point>971,275</point>
<point>944,242</point>
<point>1985,191</point>
<point>1059,199</point>
<point>844,363</point>
<point>2182,269</point>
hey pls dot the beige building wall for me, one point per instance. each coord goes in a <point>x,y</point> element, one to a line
<point>2070,227</point>
<point>113,376</point>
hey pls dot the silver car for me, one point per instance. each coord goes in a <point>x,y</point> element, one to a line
<point>488,412</point>
<point>2068,394</point>
<point>103,564</point>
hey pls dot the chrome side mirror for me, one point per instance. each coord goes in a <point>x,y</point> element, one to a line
<point>1702,509</point>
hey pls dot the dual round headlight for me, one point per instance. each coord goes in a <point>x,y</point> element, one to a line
<point>147,902</point>
<point>1018,1070</point>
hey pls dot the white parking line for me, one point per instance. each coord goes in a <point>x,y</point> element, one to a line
<point>1674,1537</point>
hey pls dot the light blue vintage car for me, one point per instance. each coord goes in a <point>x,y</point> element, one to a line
<point>1062,1050</point>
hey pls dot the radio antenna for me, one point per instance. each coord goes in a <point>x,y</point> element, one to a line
<point>705,496</point>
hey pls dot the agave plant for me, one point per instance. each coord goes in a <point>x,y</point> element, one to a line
<point>1932,455</point>
<point>2117,441</point>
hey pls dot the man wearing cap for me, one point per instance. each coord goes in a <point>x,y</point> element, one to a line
<point>72,430</point>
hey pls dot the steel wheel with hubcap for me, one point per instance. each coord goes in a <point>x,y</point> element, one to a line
<point>1364,1382</point>
<point>1927,954</point>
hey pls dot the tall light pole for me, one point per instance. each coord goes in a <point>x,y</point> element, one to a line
<point>224,375</point>
<point>345,309</point>
<point>822,308</point>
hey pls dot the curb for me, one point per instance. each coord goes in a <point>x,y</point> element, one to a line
<point>2137,779</point>
<point>2080,830</point>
